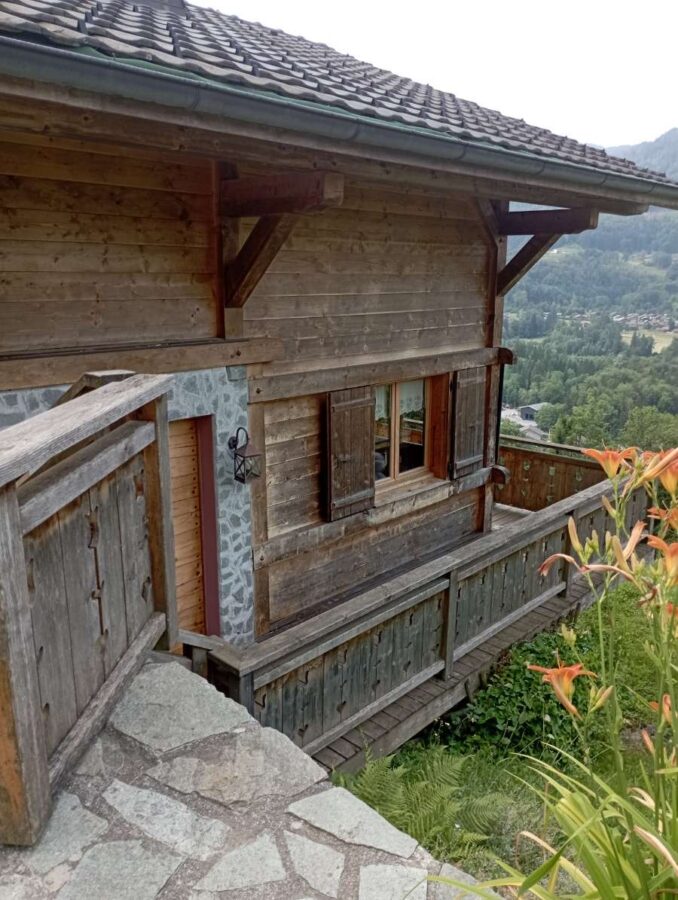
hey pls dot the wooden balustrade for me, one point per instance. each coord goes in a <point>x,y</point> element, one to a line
<point>321,678</point>
<point>542,474</point>
<point>86,580</point>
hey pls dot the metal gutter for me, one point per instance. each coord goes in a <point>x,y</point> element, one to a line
<point>90,70</point>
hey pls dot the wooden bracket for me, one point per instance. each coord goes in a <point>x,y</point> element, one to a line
<point>547,221</point>
<point>279,200</point>
<point>255,256</point>
<point>520,264</point>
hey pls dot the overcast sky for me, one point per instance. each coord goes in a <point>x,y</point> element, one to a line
<point>600,71</point>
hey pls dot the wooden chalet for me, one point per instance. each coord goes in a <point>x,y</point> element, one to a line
<point>315,250</point>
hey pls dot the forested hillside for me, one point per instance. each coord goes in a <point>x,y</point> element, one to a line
<point>593,323</point>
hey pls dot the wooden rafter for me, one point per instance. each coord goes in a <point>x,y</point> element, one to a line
<point>547,221</point>
<point>279,194</point>
<point>279,200</point>
<point>520,264</point>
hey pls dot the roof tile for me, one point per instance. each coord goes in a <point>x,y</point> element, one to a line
<point>226,48</point>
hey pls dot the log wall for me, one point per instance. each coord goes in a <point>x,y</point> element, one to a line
<point>101,248</point>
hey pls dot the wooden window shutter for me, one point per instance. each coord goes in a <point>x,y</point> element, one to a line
<point>468,421</point>
<point>350,452</point>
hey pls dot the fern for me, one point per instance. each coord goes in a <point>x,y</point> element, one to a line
<point>419,792</point>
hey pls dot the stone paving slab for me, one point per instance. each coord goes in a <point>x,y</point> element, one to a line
<point>184,796</point>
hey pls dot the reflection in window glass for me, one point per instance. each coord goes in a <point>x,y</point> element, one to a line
<point>411,424</point>
<point>382,432</point>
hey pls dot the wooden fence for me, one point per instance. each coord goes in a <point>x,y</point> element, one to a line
<point>542,474</point>
<point>319,679</point>
<point>86,579</point>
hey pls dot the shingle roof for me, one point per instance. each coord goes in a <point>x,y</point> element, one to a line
<point>225,48</point>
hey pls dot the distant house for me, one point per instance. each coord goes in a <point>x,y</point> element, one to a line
<point>529,412</point>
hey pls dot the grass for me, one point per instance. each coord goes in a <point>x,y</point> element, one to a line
<point>662,339</point>
<point>514,715</point>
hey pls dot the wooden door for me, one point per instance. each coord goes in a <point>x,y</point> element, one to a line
<point>194,524</point>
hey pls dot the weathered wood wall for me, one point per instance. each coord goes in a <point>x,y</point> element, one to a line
<point>101,247</point>
<point>392,269</point>
<point>397,274</point>
<point>540,477</point>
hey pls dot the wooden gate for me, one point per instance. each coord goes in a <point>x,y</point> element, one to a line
<point>86,579</point>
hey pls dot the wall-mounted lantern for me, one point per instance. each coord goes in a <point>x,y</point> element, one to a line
<point>246,457</point>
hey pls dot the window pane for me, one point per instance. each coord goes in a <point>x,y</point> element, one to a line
<point>411,425</point>
<point>382,433</point>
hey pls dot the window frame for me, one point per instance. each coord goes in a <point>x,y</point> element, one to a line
<point>398,477</point>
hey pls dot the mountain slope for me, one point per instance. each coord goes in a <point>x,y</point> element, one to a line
<point>627,266</point>
<point>660,155</point>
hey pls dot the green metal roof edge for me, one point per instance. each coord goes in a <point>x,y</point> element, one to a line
<point>366,129</point>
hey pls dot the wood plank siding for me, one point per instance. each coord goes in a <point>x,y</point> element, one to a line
<point>394,274</point>
<point>187,522</point>
<point>390,270</point>
<point>99,248</point>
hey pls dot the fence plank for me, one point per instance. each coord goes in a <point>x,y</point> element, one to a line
<point>82,595</point>
<point>110,568</point>
<point>24,783</point>
<point>130,486</point>
<point>51,632</point>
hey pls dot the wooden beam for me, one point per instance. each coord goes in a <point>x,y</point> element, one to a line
<point>548,221</point>
<point>278,194</point>
<point>101,705</point>
<point>20,371</point>
<point>28,445</point>
<point>244,273</point>
<point>520,264</point>
<point>48,492</point>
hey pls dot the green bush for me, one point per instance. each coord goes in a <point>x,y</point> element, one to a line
<point>515,713</point>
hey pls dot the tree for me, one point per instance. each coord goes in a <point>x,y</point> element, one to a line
<point>650,429</point>
<point>510,429</point>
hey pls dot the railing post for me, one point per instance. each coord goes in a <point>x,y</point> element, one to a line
<point>450,624</point>
<point>160,529</point>
<point>24,773</point>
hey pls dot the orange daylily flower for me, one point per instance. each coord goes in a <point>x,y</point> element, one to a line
<point>659,464</point>
<point>670,554</point>
<point>561,680</point>
<point>670,516</point>
<point>669,478</point>
<point>647,740</point>
<point>666,708</point>
<point>611,460</point>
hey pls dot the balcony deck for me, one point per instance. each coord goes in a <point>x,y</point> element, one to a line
<point>403,719</point>
<point>375,670</point>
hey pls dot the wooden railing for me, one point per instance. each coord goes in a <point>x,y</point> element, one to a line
<point>86,580</point>
<point>319,679</point>
<point>542,474</point>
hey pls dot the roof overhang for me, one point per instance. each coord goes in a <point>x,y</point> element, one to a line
<point>91,71</point>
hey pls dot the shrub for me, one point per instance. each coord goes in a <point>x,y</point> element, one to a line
<point>419,791</point>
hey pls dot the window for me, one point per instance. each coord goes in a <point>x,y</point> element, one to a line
<point>400,429</point>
